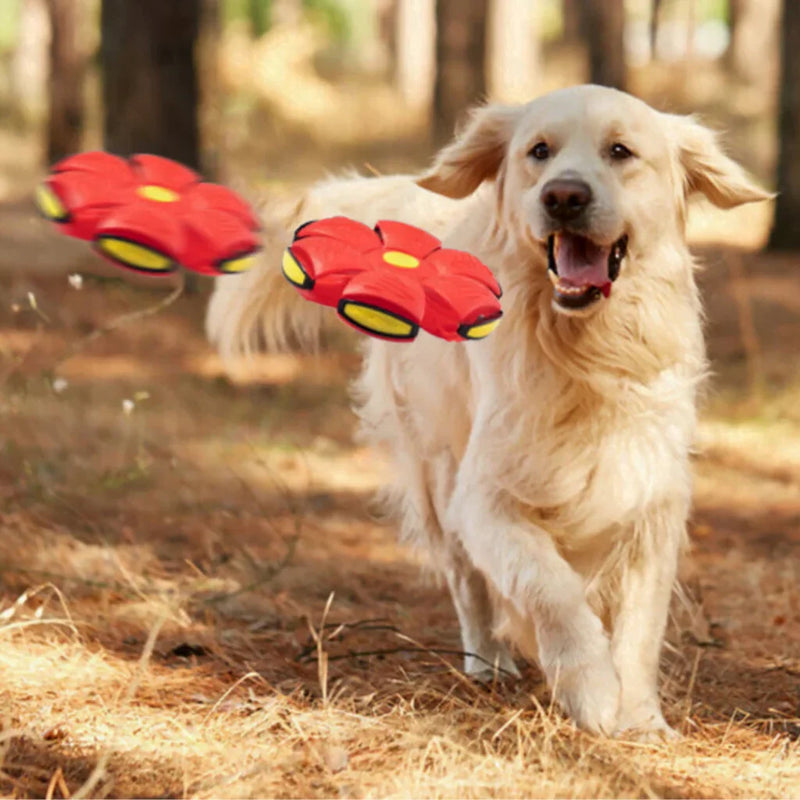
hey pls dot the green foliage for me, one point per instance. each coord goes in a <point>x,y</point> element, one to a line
<point>260,13</point>
<point>715,9</point>
<point>9,24</point>
<point>257,14</point>
<point>333,16</point>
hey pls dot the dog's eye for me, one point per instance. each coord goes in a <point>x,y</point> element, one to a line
<point>540,151</point>
<point>619,152</point>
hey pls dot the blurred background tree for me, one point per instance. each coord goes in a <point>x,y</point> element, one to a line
<point>460,57</point>
<point>603,27</point>
<point>66,82</point>
<point>271,92</point>
<point>786,227</point>
<point>150,84</point>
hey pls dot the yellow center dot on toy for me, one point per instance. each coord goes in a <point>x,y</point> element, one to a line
<point>398,259</point>
<point>158,194</point>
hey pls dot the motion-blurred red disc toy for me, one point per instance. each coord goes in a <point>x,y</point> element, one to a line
<point>392,280</point>
<point>150,214</point>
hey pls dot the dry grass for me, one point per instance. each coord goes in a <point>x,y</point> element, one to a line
<point>196,598</point>
<point>296,651</point>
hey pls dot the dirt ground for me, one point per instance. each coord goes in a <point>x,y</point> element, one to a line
<point>198,596</point>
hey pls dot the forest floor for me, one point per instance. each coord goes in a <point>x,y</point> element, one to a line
<point>197,597</point>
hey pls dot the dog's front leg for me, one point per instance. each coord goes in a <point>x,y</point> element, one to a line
<point>646,578</point>
<point>548,596</point>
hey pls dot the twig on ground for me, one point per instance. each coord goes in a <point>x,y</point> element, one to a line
<point>121,321</point>
<point>322,655</point>
<point>57,781</point>
<point>307,654</point>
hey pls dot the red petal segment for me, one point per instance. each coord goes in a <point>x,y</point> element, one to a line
<point>81,189</point>
<point>330,264</point>
<point>163,172</point>
<point>214,237</point>
<point>361,237</point>
<point>456,302</point>
<point>144,224</point>
<point>456,262</point>
<point>87,199</point>
<point>204,196</point>
<point>388,290</point>
<point>407,238</point>
<point>113,169</point>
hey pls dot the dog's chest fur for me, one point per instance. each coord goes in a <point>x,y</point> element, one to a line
<point>584,435</point>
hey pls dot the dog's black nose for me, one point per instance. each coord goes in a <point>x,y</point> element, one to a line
<point>566,198</point>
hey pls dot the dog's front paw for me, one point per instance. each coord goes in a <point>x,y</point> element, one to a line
<point>581,673</point>
<point>589,693</point>
<point>648,727</point>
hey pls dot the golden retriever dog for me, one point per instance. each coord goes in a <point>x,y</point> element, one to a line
<point>545,468</point>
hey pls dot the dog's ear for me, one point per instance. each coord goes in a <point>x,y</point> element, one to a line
<point>476,153</point>
<point>707,170</point>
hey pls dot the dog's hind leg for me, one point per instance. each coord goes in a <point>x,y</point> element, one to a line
<point>485,656</point>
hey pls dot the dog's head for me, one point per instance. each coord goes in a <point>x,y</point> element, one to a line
<point>588,175</point>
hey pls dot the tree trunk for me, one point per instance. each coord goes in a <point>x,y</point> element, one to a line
<point>653,26</point>
<point>604,29</point>
<point>754,42</point>
<point>150,85</point>
<point>29,64</point>
<point>513,52</point>
<point>67,68</point>
<point>209,114</point>
<point>571,20</point>
<point>415,51</point>
<point>460,56</point>
<point>786,230</point>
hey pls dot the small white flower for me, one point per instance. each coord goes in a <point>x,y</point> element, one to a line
<point>127,406</point>
<point>76,280</point>
<point>60,385</point>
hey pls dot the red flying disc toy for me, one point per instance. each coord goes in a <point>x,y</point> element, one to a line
<point>392,280</point>
<point>150,214</point>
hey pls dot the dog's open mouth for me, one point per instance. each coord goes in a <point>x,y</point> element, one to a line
<point>581,270</point>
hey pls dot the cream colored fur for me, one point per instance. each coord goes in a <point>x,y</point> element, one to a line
<point>546,468</point>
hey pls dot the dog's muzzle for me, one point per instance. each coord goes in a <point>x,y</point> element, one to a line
<point>581,270</point>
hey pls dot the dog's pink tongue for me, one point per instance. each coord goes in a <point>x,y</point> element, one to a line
<point>581,262</point>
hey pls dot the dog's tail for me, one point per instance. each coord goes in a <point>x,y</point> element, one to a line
<point>259,309</point>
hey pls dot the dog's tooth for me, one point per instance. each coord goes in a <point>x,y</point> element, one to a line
<point>553,277</point>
